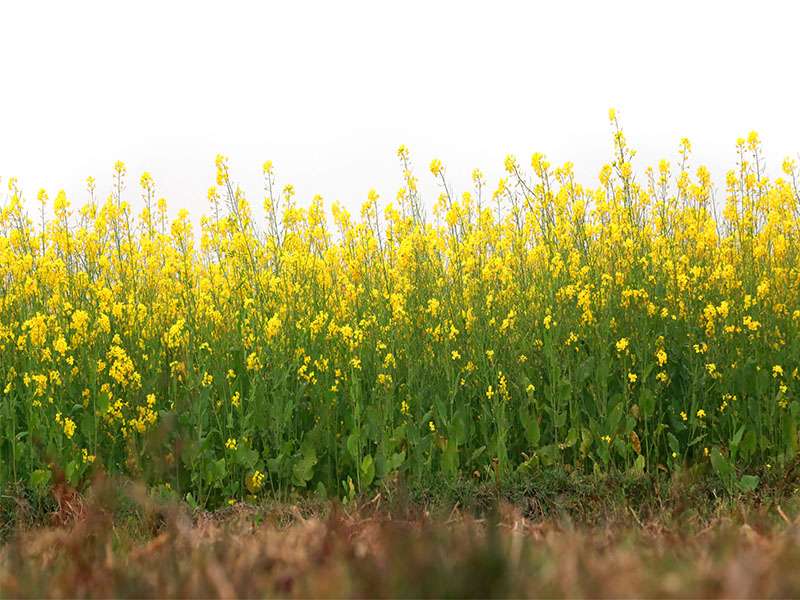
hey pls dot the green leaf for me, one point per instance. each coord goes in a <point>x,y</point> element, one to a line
<point>630,423</point>
<point>603,452</point>
<point>367,470</point>
<point>72,471</point>
<point>737,438</point>
<point>548,454</point>
<point>530,425</point>
<point>748,483</point>
<point>102,402</point>
<point>191,501</point>
<point>572,438</point>
<point>217,470</point>
<point>647,402</point>
<point>762,381</point>
<point>274,464</point>
<point>565,392</point>
<point>674,445</point>
<point>303,469</point>
<point>441,413</point>
<point>638,465</point>
<point>722,467</point>
<point>321,491</point>
<point>748,444</point>
<point>352,445</point>
<point>586,441</point>
<point>397,460</point>
<point>246,457</point>
<point>374,422</point>
<point>458,427</point>
<point>647,370</point>
<point>584,370</point>
<point>349,489</point>
<point>790,434</point>
<point>476,454</point>
<point>40,480</point>
<point>450,459</point>
<point>614,417</point>
<point>697,440</point>
<point>87,424</point>
<point>399,434</point>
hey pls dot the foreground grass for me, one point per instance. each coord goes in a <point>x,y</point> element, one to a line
<point>562,536</point>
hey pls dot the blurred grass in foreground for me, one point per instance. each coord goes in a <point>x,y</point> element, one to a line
<point>570,539</point>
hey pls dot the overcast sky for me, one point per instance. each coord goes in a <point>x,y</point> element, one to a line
<point>328,90</point>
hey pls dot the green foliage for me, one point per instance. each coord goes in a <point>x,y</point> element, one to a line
<point>629,328</point>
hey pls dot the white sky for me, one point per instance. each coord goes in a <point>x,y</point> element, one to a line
<point>329,90</point>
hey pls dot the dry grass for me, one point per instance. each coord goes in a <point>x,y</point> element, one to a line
<point>374,551</point>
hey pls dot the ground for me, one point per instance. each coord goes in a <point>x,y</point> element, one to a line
<point>555,536</point>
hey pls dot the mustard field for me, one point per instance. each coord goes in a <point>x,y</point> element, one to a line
<point>645,322</point>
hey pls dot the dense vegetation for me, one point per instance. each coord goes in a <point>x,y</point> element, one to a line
<point>640,324</point>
